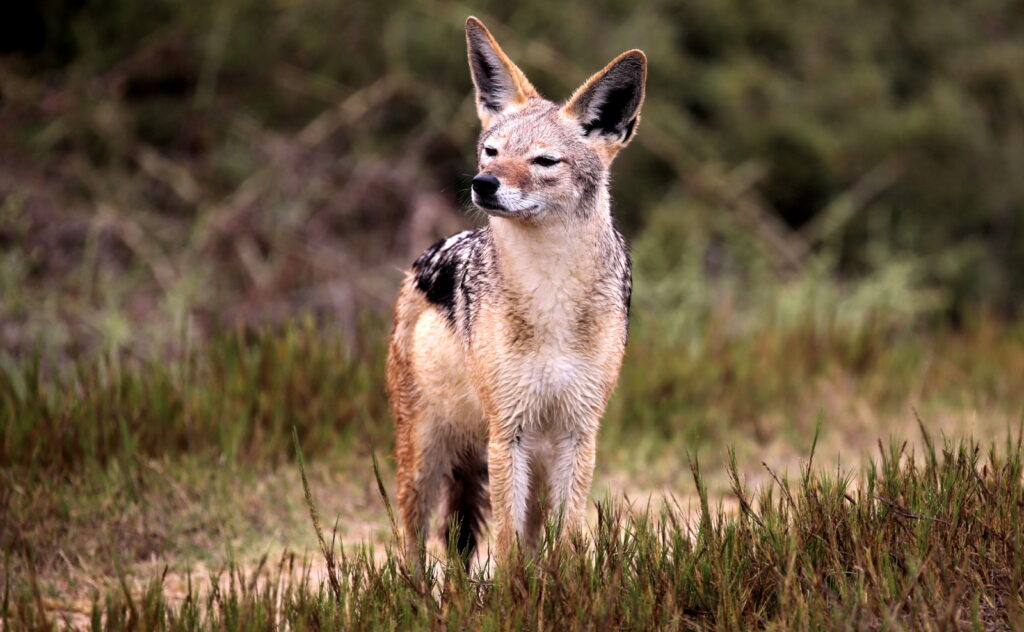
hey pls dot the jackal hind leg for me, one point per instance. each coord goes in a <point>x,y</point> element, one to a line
<point>421,476</point>
<point>467,503</point>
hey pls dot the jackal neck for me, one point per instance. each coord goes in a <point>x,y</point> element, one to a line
<point>556,255</point>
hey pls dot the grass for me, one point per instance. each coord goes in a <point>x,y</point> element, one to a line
<point>237,398</point>
<point>927,540</point>
<point>127,482</point>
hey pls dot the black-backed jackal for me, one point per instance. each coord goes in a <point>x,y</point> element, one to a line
<point>508,339</point>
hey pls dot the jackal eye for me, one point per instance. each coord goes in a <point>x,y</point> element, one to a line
<point>491,151</point>
<point>545,161</point>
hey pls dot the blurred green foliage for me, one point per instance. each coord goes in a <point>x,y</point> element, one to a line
<point>245,160</point>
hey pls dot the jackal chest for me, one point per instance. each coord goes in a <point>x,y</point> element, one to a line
<point>554,355</point>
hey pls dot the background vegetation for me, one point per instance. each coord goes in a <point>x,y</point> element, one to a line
<point>189,166</point>
<point>205,209</point>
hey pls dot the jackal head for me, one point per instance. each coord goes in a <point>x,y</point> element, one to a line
<point>540,160</point>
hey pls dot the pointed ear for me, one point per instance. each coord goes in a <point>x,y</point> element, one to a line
<point>500,85</point>
<point>607,106</point>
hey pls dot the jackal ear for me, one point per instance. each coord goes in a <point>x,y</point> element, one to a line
<point>607,106</point>
<point>500,85</point>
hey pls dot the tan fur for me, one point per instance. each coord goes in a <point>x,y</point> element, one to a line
<point>433,405</point>
<point>517,372</point>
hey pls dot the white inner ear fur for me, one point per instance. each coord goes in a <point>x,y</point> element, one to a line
<point>594,111</point>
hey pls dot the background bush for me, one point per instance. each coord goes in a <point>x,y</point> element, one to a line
<point>169,169</point>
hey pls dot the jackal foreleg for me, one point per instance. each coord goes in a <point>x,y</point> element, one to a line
<point>509,471</point>
<point>570,475</point>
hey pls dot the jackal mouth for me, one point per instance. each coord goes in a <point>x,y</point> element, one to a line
<point>492,207</point>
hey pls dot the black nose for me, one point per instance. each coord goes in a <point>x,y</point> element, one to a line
<point>485,185</point>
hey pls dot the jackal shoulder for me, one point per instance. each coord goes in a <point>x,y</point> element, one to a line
<point>452,274</point>
<point>459,272</point>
